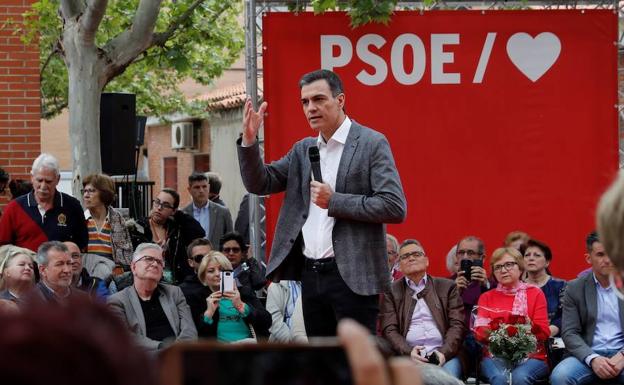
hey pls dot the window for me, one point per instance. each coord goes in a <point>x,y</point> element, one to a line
<point>201,163</point>
<point>170,166</point>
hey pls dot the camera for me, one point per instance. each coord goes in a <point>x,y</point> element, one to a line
<point>467,264</point>
<point>227,281</point>
<point>433,358</point>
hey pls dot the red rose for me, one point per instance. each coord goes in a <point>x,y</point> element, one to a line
<point>512,331</point>
<point>535,329</point>
<point>495,324</point>
<point>517,319</point>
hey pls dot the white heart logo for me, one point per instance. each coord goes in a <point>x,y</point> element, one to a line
<point>533,57</point>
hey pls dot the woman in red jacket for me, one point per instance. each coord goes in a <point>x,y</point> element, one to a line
<point>510,299</point>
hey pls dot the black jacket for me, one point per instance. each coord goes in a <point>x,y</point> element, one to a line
<point>182,229</point>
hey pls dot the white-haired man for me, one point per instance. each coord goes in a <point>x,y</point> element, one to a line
<point>44,214</point>
<point>157,313</point>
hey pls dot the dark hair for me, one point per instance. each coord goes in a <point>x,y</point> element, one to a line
<point>196,177</point>
<point>4,176</point>
<point>174,194</point>
<point>197,242</point>
<point>19,187</point>
<point>334,82</point>
<point>540,245</point>
<point>233,236</point>
<point>104,184</point>
<point>590,240</point>
<point>410,242</point>
<point>33,347</point>
<point>480,244</point>
<point>215,182</point>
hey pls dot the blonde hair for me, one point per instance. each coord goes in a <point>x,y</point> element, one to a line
<point>213,256</point>
<point>7,254</point>
<point>499,253</point>
<point>610,221</point>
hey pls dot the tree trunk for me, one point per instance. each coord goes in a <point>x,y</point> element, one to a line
<point>85,88</point>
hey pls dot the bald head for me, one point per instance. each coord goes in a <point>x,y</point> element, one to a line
<point>76,257</point>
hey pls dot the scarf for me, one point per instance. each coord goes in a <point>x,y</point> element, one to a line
<point>520,306</point>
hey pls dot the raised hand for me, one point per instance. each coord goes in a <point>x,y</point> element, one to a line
<point>252,121</point>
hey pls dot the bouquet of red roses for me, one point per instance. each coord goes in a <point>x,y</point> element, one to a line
<point>511,338</point>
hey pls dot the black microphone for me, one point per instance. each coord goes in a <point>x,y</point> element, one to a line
<point>315,163</point>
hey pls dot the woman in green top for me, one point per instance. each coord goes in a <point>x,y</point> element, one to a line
<point>229,315</point>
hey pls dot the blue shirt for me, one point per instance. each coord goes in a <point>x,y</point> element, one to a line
<point>202,215</point>
<point>608,334</point>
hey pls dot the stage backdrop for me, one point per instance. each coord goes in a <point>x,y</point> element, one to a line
<point>498,120</point>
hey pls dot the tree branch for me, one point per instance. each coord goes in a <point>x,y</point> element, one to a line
<point>92,18</point>
<point>160,38</point>
<point>55,51</point>
<point>71,9</point>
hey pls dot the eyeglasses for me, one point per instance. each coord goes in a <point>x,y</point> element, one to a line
<point>533,254</point>
<point>89,191</point>
<point>163,205</point>
<point>468,253</point>
<point>198,258</point>
<point>232,250</point>
<point>392,252</point>
<point>416,254</point>
<point>151,260</point>
<point>507,266</point>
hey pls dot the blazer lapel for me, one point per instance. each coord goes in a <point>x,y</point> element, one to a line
<point>591,303</point>
<point>212,212</point>
<point>347,156</point>
<point>168,307</point>
<point>433,302</point>
<point>138,311</point>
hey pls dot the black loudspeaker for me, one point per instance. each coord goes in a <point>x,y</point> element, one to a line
<point>140,126</point>
<point>118,133</point>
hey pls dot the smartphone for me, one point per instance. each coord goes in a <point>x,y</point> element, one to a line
<point>320,362</point>
<point>227,281</point>
<point>465,265</point>
<point>477,262</point>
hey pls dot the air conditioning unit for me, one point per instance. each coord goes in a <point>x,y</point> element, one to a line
<point>182,135</point>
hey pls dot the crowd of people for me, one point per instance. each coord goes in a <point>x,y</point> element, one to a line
<point>183,274</point>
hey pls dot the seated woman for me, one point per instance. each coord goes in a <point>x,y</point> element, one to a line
<point>226,316</point>
<point>423,316</point>
<point>537,258</point>
<point>17,274</point>
<point>513,297</point>
<point>108,235</point>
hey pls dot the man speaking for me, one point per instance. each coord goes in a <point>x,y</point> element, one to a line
<point>330,234</point>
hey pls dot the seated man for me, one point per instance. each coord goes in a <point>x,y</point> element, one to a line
<point>593,319</point>
<point>55,272</point>
<point>430,329</point>
<point>156,312</point>
<point>81,278</point>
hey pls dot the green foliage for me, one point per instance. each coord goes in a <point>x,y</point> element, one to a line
<point>512,342</point>
<point>204,45</point>
<point>360,11</point>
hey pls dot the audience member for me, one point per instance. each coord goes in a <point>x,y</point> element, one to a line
<point>108,235</point>
<point>452,263</point>
<point>171,229</point>
<point>4,180</point>
<point>430,330</point>
<point>537,258</point>
<point>56,345</point>
<point>610,221</point>
<point>55,271</point>
<point>229,316</point>
<point>512,297</point>
<point>17,272</point>
<point>392,247</point>
<point>193,289</point>
<point>215,183</point>
<point>518,240</point>
<point>156,312</point>
<point>45,214</point>
<point>81,278</point>
<point>247,271</point>
<point>19,187</point>
<point>215,219</point>
<point>281,303</point>
<point>592,327</point>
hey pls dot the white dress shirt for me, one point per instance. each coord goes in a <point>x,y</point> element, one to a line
<point>317,230</point>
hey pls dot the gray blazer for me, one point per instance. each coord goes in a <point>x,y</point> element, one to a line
<point>368,194</point>
<point>220,222</point>
<point>579,316</point>
<point>126,304</point>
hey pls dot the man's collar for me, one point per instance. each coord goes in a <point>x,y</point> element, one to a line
<point>413,285</point>
<point>203,207</point>
<point>57,201</point>
<point>340,135</point>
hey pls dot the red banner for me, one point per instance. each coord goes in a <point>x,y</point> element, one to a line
<point>498,120</point>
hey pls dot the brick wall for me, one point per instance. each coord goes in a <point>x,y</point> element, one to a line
<point>19,96</point>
